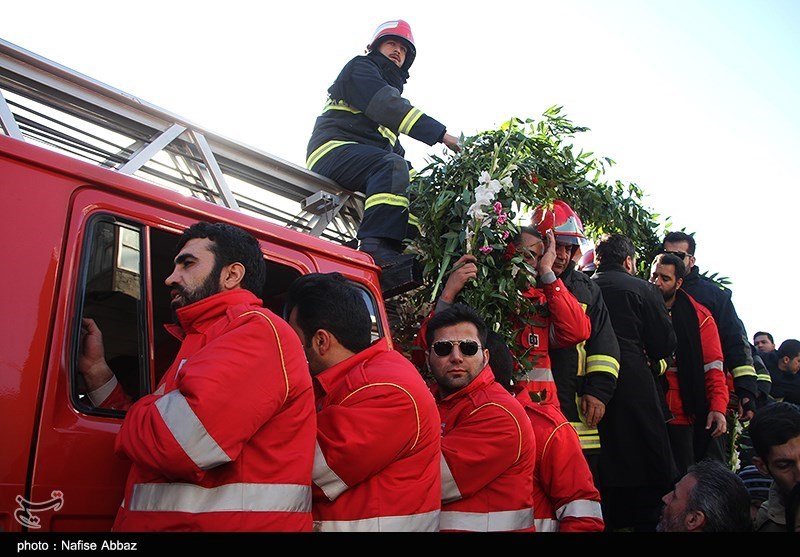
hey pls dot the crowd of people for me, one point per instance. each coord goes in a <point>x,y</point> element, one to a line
<point>618,422</point>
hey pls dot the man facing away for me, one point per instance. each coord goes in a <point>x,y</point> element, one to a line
<point>355,141</point>
<point>783,365</point>
<point>226,442</point>
<point>636,464</point>
<point>775,432</point>
<point>376,466</point>
<point>696,391</point>
<point>488,446</point>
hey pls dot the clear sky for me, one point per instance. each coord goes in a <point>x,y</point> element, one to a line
<point>698,101</point>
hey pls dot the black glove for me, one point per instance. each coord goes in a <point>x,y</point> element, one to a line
<point>750,405</point>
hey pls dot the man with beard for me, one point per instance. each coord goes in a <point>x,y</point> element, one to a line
<point>226,441</point>
<point>355,141</point>
<point>695,387</point>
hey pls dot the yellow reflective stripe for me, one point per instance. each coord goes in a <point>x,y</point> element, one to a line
<point>413,220</point>
<point>388,134</point>
<point>385,199</point>
<point>408,122</point>
<point>340,105</point>
<point>412,174</point>
<point>764,377</point>
<point>588,437</point>
<point>602,362</point>
<point>581,348</point>
<point>743,371</point>
<point>323,150</point>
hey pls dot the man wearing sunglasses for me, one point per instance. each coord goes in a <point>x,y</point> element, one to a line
<point>488,446</point>
<point>735,342</point>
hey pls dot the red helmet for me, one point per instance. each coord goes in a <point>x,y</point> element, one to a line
<point>566,225</point>
<point>398,29</point>
<point>586,262</point>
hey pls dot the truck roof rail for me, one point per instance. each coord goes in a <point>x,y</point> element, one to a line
<point>48,104</point>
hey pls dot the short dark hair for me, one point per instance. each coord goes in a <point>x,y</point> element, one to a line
<point>517,239</point>
<point>674,260</point>
<point>675,237</point>
<point>614,249</point>
<point>789,348</point>
<point>455,314</point>
<point>328,301</point>
<point>764,333</point>
<point>231,244</point>
<point>720,494</point>
<point>500,359</point>
<point>772,425</point>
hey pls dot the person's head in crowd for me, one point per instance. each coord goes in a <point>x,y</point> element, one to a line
<point>789,355</point>
<point>708,498</point>
<point>757,485</point>
<point>331,318</point>
<point>616,249</point>
<point>529,242</point>
<point>667,273</point>
<point>763,341</point>
<point>213,258</point>
<point>500,359</point>
<point>682,245</point>
<point>775,435</point>
<point>456,339</point>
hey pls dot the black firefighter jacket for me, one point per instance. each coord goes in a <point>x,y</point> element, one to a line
<point>636,449</point>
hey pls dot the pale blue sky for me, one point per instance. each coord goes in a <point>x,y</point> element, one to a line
<point>696,101</point>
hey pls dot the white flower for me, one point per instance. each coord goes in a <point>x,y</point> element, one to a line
<point>506,182</point>
<point>484,178</point>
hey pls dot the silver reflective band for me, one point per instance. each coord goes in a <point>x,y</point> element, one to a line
<point>188,498</point>
<point>189,431</point>
<point>546,524</point>
<point>496,521</point>
<point>324,477</point>
<point>538,374</point>
<point>580,508</point>
<point>450,490</point>
<point>425,522</point>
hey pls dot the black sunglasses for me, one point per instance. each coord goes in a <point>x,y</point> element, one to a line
<point>681,254</point>
<point>444,347</point>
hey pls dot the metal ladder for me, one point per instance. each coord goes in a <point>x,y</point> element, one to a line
<point>53,106</point>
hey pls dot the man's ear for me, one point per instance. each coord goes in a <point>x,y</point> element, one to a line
<point>628,264</point>
<point>322,341</point>
<point>759,463</point>
<point>679,282</point>
<point>694,520</point>
<point>232,276</point>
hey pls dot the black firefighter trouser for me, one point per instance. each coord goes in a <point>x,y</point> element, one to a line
<point>383,177</point>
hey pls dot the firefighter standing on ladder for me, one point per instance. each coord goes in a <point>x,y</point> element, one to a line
<point>355,139</point>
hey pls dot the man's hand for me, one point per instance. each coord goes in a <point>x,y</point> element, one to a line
<point>545,263</point>
<point>91,360</point>
<point>463,270</point>
<point>746,409</point>
<point>451,142</point>
<point>592,409</point>
<point>717,423</point>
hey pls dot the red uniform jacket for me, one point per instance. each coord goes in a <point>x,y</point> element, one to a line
<point>565,325</point>
<point>565,498</point>
<point>715,380</point>
<point>378,446</point>
<point>488,455</point>
<point>226,442</point>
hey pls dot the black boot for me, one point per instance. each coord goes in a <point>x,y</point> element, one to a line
<point>386,253</point>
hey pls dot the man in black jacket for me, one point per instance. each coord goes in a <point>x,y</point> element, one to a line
<point>636,464</point>
<point>732,334</point>
<point>355,139</point>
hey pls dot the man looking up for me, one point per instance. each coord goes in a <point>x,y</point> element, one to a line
<point>696,391</point>
<point>735,345</point>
